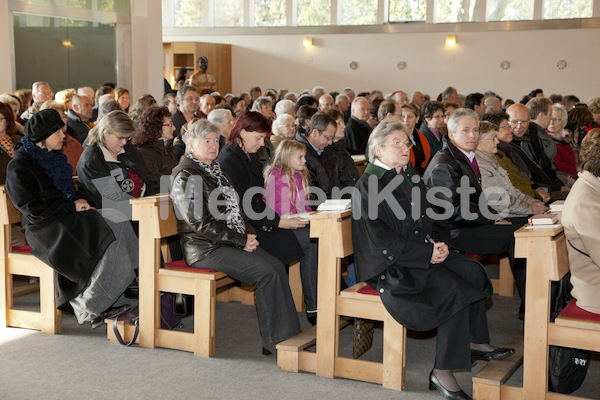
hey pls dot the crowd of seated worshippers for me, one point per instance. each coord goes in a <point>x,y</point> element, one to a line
<point>530,149</point>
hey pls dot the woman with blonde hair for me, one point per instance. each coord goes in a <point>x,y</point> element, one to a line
<point>65,97</point>
<point>111,168</point>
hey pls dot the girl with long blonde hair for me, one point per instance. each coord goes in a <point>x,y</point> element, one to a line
<point>286,184</point>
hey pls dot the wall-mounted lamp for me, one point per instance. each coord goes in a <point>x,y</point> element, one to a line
<point>67,43</point>
<point>450,40</point>
<point>307,42</point>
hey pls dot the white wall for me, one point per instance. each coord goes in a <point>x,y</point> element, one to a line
<point>473,65</point>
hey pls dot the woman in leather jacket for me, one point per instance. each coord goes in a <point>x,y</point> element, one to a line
<point>215,235</point>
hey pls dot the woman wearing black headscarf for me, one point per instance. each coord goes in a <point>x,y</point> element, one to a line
<point>94,256</point>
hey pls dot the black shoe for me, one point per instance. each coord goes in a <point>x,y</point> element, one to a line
<point>435,384</point>
<point>110,313</point>
<point>497,354</point>
<point>312,318</point>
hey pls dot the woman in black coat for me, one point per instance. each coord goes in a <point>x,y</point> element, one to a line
<point>239,161</point>
<point>216,235</point>
<point>110,168</point>
<point>94,257</point>
<point>400,253</point>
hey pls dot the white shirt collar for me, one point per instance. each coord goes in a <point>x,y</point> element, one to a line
<point>470,155</point>
<point>382,165</point>
<point>107,156</point>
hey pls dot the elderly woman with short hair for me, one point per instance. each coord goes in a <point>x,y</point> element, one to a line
<point>421,283</point>
<point>284,128</point>
<point>111,168</point>
<point>222,239</point>
<point>285,107</point>
<point>502,196</point>
<point>224,119</point>
<point>566,154</point>
<point>581,221</point>
<point>264,105</point>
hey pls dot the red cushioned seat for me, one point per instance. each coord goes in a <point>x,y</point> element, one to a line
<point>367,289</point>
<point>22,249</point>
<point>472,255</point>
<point>182,265</point>
<point>572,311</point>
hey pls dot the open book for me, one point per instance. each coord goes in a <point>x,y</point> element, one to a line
<point>335,205</point>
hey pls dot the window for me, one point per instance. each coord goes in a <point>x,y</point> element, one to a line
<point>509,10</point>
<point>554,9</point>
<point>456,11</point>
<point>407,10</point>
<point>314,12</point>
<point>187,13</point>
<point>229,13</point>
<point>269,12</point>
<point>359,12</point>
<point>119,6</point>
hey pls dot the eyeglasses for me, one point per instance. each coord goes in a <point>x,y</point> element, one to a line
<point>514,123</point>
<point>169,124</point>
<point>504,127</point>
<point>489,138</point>
<point>328,138</point>
<point>192,99</point>
<point>408,144</point>
<point>556,120</point>
<point>121,138</point>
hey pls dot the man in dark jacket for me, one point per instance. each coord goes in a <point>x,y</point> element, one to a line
<point>357,129</point>
<point>79,118</point>
<point>525,136</point>
<point>320,155</point>
<point>188,103</point>
<point>474,229</point>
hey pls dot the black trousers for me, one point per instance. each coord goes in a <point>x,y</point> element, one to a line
<point>453,350</point>
<point>494,239</point>
<point>277,317</point>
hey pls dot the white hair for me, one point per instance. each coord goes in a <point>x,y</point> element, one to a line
<point>281,119</point>
<point>284,107</point>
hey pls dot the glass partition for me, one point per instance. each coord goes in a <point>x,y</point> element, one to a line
<point>63,52</point>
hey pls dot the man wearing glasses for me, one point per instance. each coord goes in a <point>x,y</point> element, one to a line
<point>188,103</point>
<point>526,138</point>
<point>41,92</point>
<point>320,156</point>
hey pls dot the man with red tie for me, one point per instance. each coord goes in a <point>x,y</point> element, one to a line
<point>453,180</point>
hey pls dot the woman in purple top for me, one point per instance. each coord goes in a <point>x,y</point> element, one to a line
<point>286,184</point>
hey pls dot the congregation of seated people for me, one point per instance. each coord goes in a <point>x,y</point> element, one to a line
<point>300,148</point>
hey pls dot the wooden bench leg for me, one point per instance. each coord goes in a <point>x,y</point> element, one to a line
<point>204,318</point>
<point>507,280</point>
<point>296,286</point>
<point>394,355</point>
<point>51,318</point>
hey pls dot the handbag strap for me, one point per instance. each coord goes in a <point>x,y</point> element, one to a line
<point>135,320</point>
